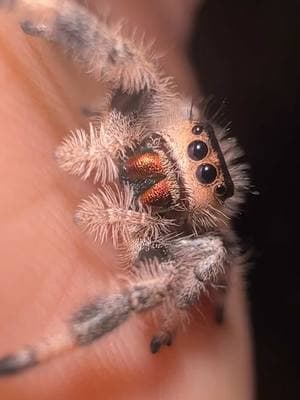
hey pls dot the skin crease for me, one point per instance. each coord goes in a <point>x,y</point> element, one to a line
<point>49,268</point>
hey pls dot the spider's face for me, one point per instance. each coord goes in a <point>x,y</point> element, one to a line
<point>201,165</point>
<point>181,164</point>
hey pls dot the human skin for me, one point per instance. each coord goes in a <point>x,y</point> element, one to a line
<point>49,267</point>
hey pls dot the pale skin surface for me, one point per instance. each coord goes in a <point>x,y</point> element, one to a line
<point>49,268</point>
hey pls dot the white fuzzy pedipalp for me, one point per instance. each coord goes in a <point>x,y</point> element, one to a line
<point>114,212</point>
<point>97,151</point>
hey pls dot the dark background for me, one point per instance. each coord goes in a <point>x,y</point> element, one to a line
<point>247,53</point>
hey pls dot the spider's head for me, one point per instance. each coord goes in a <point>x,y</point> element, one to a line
<point>190,166</point>
<point>207,173</point>
<point>202,173</point>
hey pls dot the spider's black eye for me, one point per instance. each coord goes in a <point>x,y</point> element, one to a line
<point>206,173</point>
<point>197,129</point>
<point>203,127</point>
<point>197,150</point>
<point>221,191</point>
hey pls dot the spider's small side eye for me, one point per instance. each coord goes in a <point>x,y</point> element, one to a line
<point>197,150</point>
<point>200,128</point>
<point>206,173</point>
<point>221,191</point>
<point>197,129</point>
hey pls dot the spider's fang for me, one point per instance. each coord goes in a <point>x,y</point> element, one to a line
<point>158,195</point>
<point>146,172</point>
<point>143,165</point>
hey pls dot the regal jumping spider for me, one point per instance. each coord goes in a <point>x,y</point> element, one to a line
<point>169,184</point>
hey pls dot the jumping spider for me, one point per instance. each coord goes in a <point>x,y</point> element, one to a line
<point>169,184</point>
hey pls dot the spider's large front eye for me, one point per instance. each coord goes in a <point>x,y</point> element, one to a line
<point>206,173</point>
<point>197,150</point>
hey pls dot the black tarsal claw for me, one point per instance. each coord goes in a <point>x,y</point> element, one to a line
<point>164,339</point>
<point>219,315</point>
<point>155,345</point>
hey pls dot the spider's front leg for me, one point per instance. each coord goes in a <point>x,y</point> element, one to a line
<point>201,265</point>
<point>149,257</point>
<point>91,322</point>
<point>178,284</point>
<point>91,40</point>
<point>211,260</point>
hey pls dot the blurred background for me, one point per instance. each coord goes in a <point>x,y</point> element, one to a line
<point>246,53</point>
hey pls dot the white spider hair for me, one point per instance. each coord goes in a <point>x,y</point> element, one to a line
<point>96,151</point>
<point>115,213</point>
